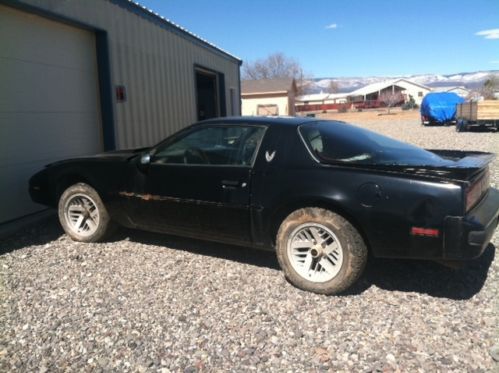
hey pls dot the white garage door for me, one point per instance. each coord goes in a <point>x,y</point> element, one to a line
<point>49,101</point>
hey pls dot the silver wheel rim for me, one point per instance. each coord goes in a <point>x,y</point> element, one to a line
<point>315,252</point>
<point>82,215</point>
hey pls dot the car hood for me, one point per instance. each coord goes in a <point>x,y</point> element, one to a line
<point>120,154</point>
<point>115,155</point>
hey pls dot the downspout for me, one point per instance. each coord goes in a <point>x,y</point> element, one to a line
<point>240,93</point>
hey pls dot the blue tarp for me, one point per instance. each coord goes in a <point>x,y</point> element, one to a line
<point>440,106</point>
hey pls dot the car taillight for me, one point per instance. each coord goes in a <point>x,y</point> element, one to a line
<point>477,190</point>
<point>425,232</point>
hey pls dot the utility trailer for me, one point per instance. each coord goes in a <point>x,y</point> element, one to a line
<point>483,114</point>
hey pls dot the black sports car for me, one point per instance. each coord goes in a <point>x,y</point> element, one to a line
<point>321,193</point>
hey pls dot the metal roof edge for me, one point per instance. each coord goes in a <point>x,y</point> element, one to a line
<point>264,93</point>
<point>382,85</point>
<point>161,21</point>
<point>414,83</point>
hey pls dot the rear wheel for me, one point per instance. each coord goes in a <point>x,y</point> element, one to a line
<point>461,126</point>
<point>82,214</point>
<point>320,251</point>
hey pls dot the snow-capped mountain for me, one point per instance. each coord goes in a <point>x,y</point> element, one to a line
<point>472,80</point>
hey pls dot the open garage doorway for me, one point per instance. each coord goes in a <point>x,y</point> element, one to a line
<point>210,98</point>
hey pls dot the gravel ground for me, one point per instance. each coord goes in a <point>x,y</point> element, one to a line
<point>145,302</point>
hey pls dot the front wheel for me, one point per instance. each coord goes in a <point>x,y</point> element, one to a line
<point>83,215</point>
<point>320,251</point>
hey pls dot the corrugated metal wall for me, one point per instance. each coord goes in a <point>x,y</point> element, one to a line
<point>155,65</point>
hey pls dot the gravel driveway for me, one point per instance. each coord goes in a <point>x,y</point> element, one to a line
<point>145,302</point>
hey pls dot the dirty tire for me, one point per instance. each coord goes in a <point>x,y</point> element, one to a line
<point>354,250</point>
<point>84,195</point>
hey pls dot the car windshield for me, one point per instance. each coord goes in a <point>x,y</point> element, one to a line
<point>343,143</point>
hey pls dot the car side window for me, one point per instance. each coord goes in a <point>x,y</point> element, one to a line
<point>315,140</point>
<point>217,145</point>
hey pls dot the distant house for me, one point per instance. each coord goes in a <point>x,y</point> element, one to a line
<point>372,92</point>
<point>268,97</point>
<point>321,102</point>
<point>322,98</point>
<point>459,90</point>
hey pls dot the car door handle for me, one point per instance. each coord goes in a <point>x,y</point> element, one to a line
<point>232,184</point>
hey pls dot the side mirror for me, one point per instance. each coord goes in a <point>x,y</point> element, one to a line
<point>144,161</point>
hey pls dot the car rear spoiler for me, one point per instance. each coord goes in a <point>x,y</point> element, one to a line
<point>466,159</point>
<point>466,165</point>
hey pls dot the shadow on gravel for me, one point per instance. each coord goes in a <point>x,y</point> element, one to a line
<point>479,129</point>
<point>482,129</point>
<point>37,234</point>
<point>260,258</point>
<point>427,277</point>
<point>399,275</point>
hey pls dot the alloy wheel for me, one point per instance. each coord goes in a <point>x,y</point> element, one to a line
<point>315,252</point>
<point>82,215</point>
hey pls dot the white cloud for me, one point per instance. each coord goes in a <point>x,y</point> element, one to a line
<point>333,26</point>
<point>489,34</point>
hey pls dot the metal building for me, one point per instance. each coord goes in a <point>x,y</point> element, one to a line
<point>80,77</point>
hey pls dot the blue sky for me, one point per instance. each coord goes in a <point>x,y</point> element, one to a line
<point>349,38</point>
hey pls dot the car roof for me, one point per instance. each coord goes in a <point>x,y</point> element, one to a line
<point>270,120</point>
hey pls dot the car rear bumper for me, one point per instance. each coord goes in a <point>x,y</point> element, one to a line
<point>466,237</point>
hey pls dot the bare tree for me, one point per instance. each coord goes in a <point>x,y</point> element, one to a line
<point>390,98</point>
<point>333,87</point>
<point>275,66</point>
<point>304,85</point>
<point>490,86</point>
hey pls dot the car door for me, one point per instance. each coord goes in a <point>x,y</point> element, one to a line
<point>198,185</point>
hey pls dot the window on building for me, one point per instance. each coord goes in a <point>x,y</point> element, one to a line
<point>271,109</point>
<point>420,94</point>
